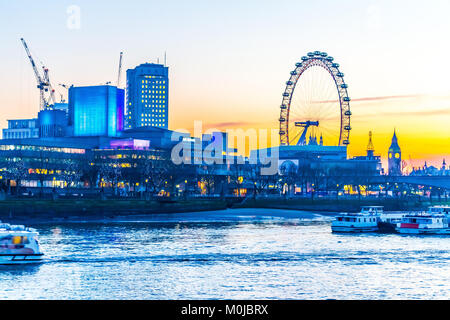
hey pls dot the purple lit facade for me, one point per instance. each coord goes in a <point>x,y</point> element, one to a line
<point>133,144</point>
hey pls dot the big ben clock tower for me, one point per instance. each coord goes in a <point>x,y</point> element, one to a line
<point>395,158</point>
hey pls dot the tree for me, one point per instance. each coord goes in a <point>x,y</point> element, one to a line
<point>237,176</point>
<point>16,170</point>
<point>111,172</point>
<point>208,176</point>
<point>88,169</point>
<point>71,172</point>
<point>43,168</point>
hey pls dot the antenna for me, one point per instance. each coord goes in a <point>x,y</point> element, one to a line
<point>165,58</point>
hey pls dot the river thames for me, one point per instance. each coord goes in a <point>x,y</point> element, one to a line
<point>231,254</point>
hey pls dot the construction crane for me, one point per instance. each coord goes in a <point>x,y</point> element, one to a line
<point>65,87</point>
<point>120,70</point>
<point>43,81</point>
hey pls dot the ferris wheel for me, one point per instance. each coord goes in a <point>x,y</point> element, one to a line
<point>315,103</point>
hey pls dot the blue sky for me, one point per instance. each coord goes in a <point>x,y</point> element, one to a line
<point>229,59</point>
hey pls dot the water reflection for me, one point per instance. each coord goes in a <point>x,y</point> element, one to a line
<point>237,254</point>
<point>20,270</point>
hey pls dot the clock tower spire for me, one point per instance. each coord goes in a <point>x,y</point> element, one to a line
<point>395,157</point>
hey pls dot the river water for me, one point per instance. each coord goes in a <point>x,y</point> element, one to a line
<point>230,254</point>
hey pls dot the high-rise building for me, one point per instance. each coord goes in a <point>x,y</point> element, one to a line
<point>96,110</point>
<point>148,96</point>
<point>395,157</point>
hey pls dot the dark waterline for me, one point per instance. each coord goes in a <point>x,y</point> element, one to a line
<point>231,254</point>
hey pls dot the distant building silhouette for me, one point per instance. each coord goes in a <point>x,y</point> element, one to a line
<point>395,157</point>
<point>427,170</point>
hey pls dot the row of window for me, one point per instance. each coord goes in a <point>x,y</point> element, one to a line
<point>38,148</point>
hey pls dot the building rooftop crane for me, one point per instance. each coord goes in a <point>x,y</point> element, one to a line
<point>120,70</point>
<point>43,81</point>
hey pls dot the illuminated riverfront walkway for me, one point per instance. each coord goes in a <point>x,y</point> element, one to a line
<point>429,181</point>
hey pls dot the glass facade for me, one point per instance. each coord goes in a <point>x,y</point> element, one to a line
<point>96,110</point>
<point>148,96</point>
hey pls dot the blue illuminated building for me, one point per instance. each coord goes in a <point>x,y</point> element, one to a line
<point>52,123</point>
<point>148,96</point>
<point>96,111</point>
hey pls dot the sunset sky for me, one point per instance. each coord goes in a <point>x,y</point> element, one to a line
<point>229,60</point>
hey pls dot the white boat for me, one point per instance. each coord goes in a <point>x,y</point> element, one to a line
<point>424,223</point>
<point>19,245</point>
<point>364,221</point>
<point>439,210</point>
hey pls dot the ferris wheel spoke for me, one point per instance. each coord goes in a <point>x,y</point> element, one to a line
<point>315,97</point>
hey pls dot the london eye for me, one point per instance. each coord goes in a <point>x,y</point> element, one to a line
<point>315,108</point>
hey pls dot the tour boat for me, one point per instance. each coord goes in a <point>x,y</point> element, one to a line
<point>439,210</point>
<point>424,223</point>
<point>364,221</point>
<point>19,245</point>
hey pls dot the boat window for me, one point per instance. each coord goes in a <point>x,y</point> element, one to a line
<point>20,240</point>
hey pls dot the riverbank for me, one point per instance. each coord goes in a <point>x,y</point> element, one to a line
<point>29,210</point>
<point>337,205</point>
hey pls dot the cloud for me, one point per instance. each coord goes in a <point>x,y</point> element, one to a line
<point>374,98</point>
<point>432,112</point>
<point>234,124</point>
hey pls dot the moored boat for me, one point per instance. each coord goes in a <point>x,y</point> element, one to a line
<point>388,222</point>
<point>19,245</point>
<point>364,221</point>
<point>439,210</point>
<point>424,223</point>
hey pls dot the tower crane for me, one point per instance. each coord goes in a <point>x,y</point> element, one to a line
<point>43,81</point>
<point>65,87</point>
<point>120,70</point>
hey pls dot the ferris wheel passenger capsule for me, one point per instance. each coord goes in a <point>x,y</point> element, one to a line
<point>340,74</point>
<point>293,73</point>
<point>304,58</point>
<point>298,64</point>
<point>330,58</point>
<point>347,99</point>
<point>344,86</point>
<point>324,54</point>
<point>335,65</point>
<point>289,83</point>
<point>348,128</point>
<point>317,53</point>
<point>310,54</point>
<point>348,113</point>
<point>286,94</point>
